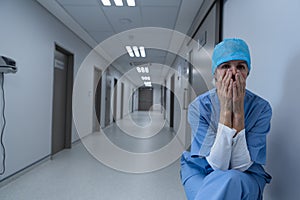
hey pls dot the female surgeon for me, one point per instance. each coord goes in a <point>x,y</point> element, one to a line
<point>229,127</point>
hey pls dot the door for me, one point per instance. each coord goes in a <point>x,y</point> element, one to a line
<point>122,100</point>
<point>62,100</point>
<point>115,100</point>
<point>145,98</point>
<point>108,100</point>
<point>207,33</point>
<point>172,101</point>
<point>97,99</point>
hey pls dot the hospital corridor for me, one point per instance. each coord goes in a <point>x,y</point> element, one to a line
<point>96,96</point>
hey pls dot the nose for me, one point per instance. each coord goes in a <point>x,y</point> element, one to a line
<point>234,70</point>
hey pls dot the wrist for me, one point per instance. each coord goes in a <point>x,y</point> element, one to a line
<point>226,118</point>
<point>238,122</point>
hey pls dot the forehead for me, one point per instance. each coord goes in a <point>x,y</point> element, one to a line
<point>235,62</point>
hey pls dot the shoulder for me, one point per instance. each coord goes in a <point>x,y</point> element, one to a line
<point>256,100</point>
<point>205,98</point>
<point>256,107</point>
<point>203,103</point>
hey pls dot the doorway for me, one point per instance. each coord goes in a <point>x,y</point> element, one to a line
<point>115,100</point>
<point>122,101</point>
<point>97,99</point>
<point>108,100</point>
<point>62,100</point>
<point>145,98</point>
<point>172,101</point>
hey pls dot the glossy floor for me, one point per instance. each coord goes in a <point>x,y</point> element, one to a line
<point>76,174</point>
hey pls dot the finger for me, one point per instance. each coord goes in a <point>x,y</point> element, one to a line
<point>230,88</point>
<point>227,78</point>
<point>242,82</point>
<point>220,76</point>
<point>234,91</point>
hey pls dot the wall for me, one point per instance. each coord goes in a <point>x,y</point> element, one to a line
<point>272,30</point>
<point>28,35</point>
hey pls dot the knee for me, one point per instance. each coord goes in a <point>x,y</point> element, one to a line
<point>233,176</point>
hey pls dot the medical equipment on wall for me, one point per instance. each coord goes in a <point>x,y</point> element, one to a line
<point>7,65</point>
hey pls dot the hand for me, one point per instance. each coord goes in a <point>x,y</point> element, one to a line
<point>238,96</point>
<point>224,85</point>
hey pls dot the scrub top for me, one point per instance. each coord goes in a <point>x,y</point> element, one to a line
<point>196,173</point>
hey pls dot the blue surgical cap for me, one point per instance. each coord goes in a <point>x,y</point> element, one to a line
<point>230,49</point>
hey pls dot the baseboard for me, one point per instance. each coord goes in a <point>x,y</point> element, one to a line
<point>23,171</point>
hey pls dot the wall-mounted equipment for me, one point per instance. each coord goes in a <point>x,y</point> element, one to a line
<point>7,65</point>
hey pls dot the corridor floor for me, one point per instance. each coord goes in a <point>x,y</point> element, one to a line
<point>75,174</point>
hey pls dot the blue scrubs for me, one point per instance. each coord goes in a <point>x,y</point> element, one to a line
<point>200,181</point>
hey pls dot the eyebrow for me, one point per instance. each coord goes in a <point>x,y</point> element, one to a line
<point>241,62</point>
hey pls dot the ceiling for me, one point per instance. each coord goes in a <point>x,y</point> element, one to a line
<point>95,23</point>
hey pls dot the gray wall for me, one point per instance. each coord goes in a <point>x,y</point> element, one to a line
<point>272,30</point>
<point>28,33</point>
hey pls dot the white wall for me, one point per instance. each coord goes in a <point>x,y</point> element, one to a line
<point>28,33</point>
<point>272,30</point>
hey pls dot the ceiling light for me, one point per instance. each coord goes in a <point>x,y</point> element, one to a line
<point>129,50</point>
<point>143,70</point>
<point>143,53</point>
<point>106,2</point>
<point>131,2</point>
<point>136,51</point>
<point>148,84</point>
<point>145,78</point>
<point>118,2</point>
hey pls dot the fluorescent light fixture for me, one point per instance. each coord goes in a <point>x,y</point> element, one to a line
<point>148,84</point>
<point>145,78</point>
<point>106,2</point>
<point>118,2</point>
<point>131,2</point>
<point>136,51</point>
<point>129,50</point>
<point>143,70</point>
<point>143,53</point>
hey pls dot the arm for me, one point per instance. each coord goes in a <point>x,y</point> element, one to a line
<point>220,153</point>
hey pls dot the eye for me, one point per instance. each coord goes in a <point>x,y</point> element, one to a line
<point>241,66</point>
<point>225,66</point>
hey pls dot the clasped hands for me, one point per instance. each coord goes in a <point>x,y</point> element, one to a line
<point>231,93</point>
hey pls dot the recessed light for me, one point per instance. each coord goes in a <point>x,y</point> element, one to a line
<point>106,2</point>
<point>131,2</point>
<point>118,2</point>
<point>129,50</point>
<point>136,51</point>
<point>148,84</point>
<point>142,50</point>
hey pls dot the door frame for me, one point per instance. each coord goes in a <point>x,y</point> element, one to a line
<point>69,90</point>
<point>96,84</point>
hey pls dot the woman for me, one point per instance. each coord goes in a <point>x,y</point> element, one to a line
<point>229,126</point>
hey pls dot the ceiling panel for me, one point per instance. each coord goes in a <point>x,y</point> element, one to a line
<point>100,36</point>
<point>79,2</point>
<point>123,18</point>
<point>159,16</point>
<point>159,2</point>
<point>91,18</point>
